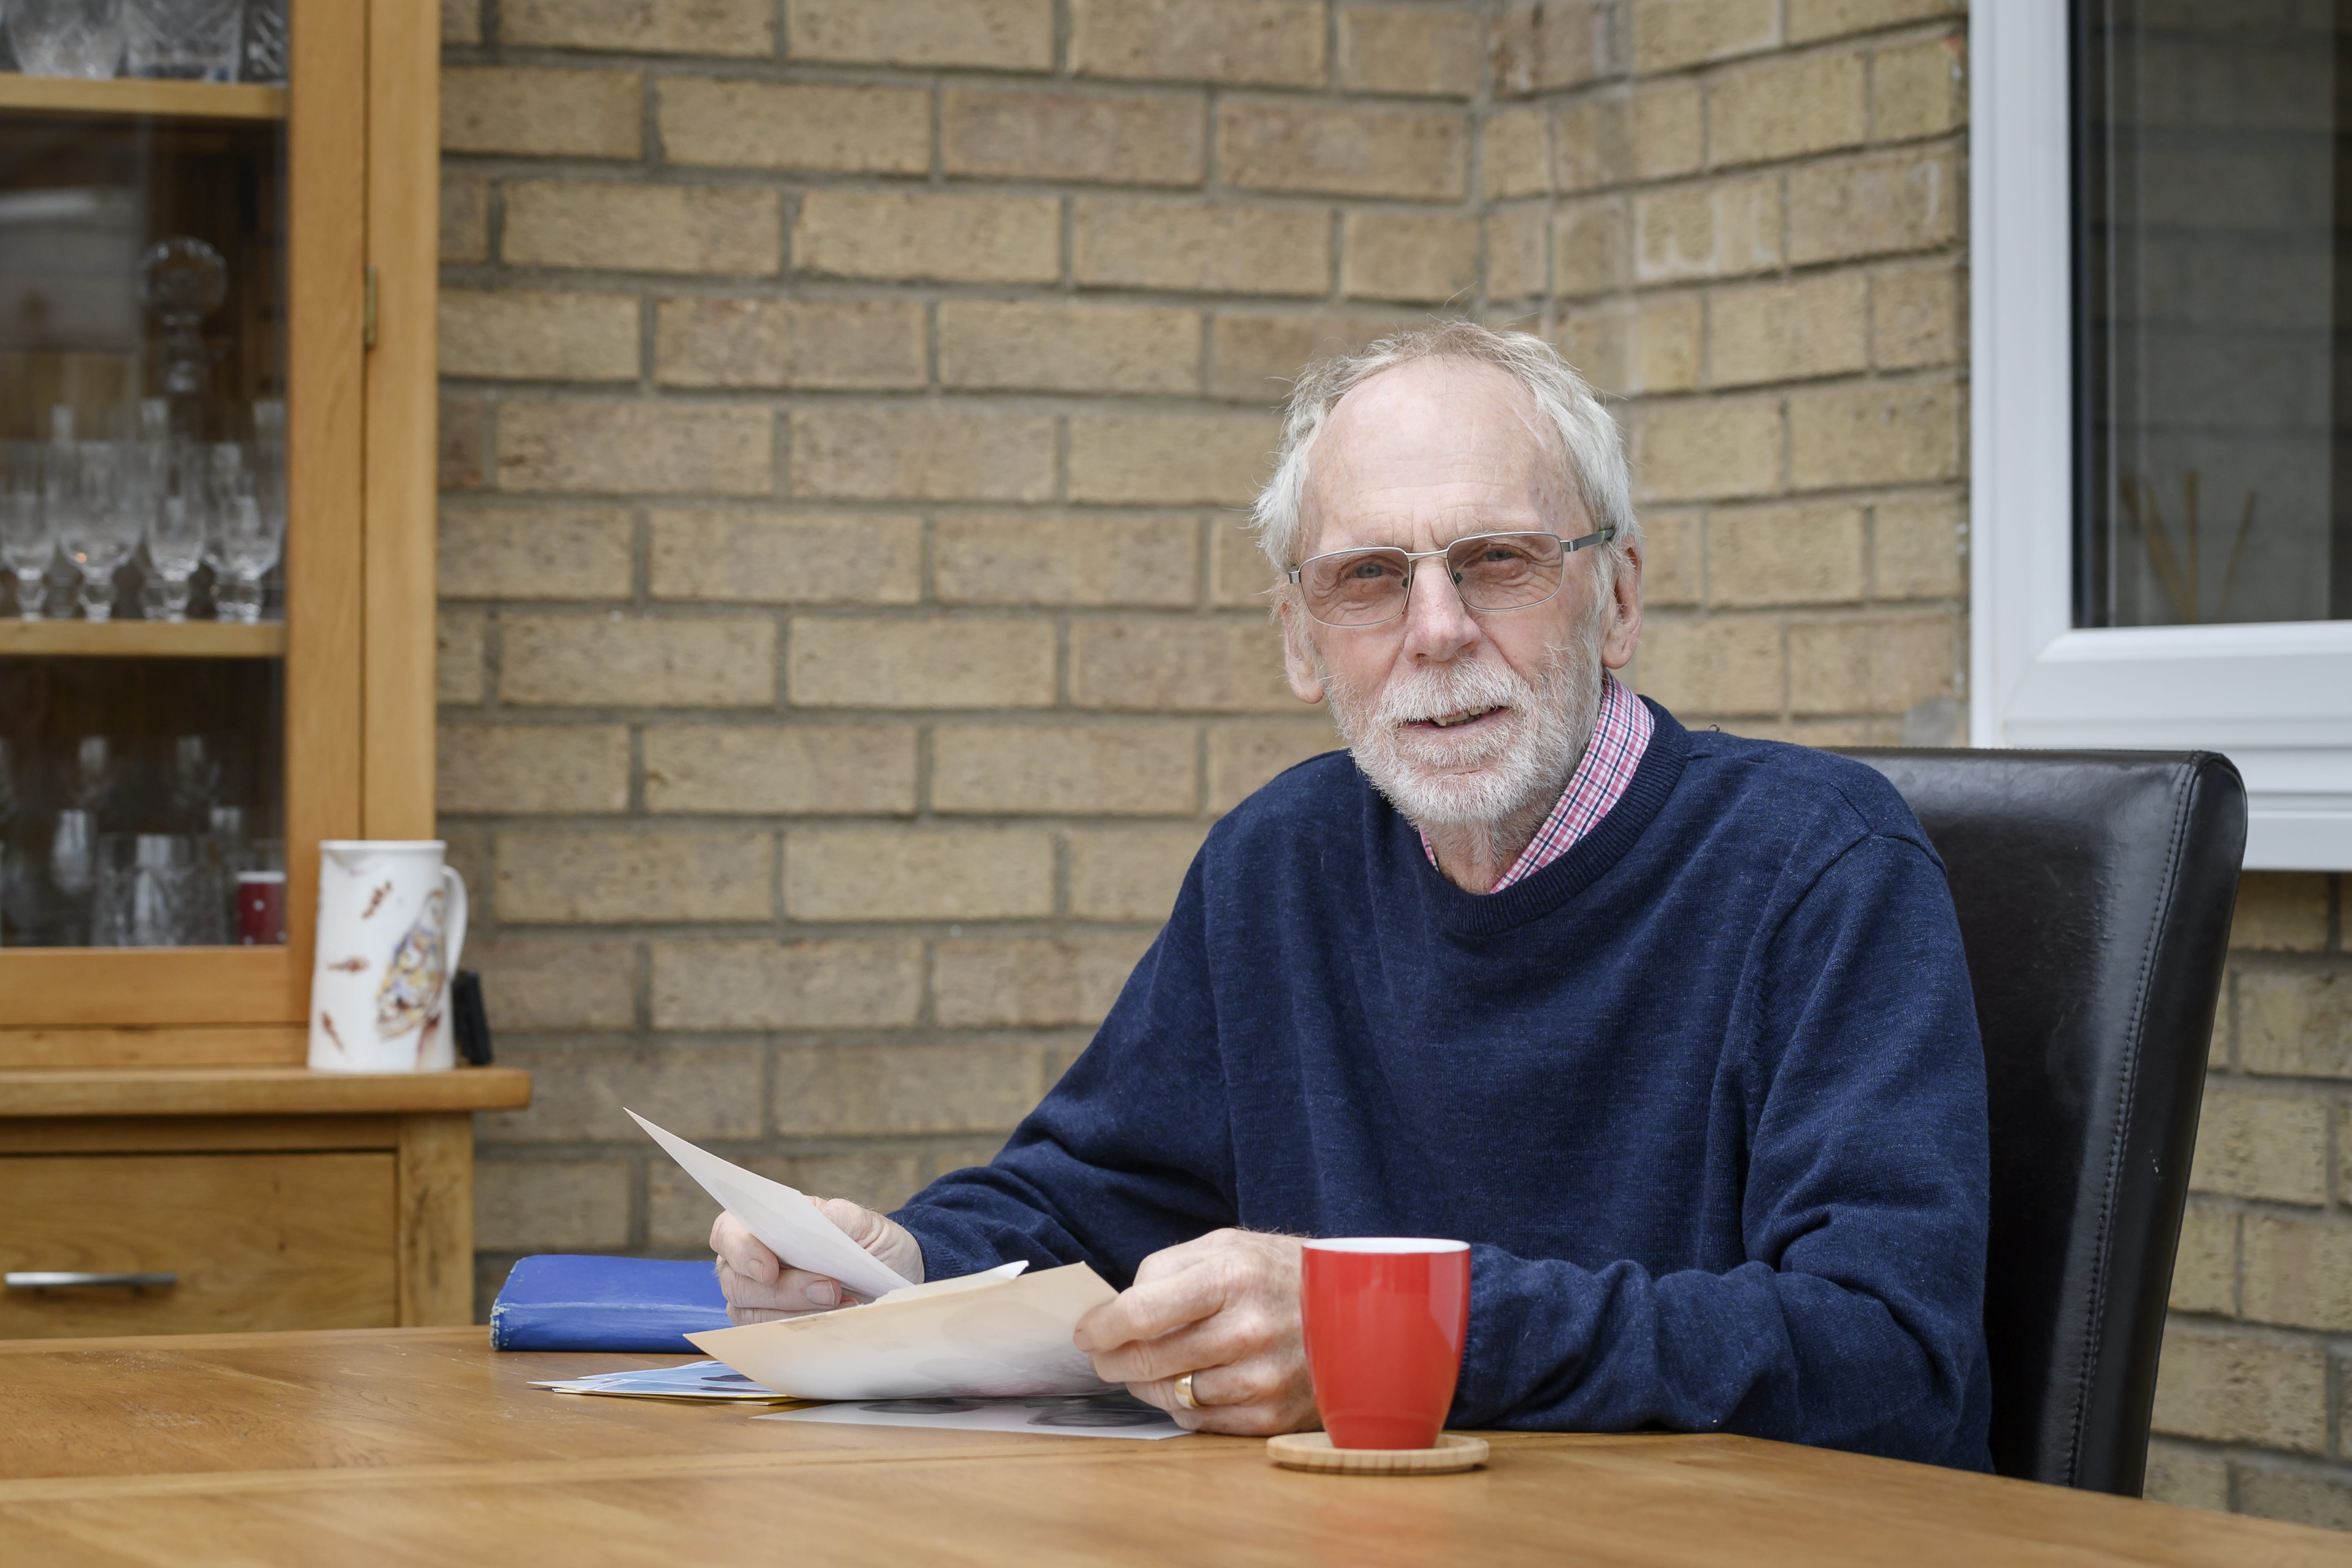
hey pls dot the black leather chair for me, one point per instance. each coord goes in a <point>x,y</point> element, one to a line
<point>2094,891</point>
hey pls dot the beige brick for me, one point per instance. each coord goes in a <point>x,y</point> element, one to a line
<point>566,554</point>
<point>2295,1021</point>
<point>1873,205</point>
<point>1592,142</point>
<point>705,984</point>
<point>2205,1269</point>
<point>1787,332</point>
<point>1515,154</point>
<point>1202,40</point>
<point>457,641</point>
<point>1597,340</point>
<point>1169,458</point>
<point>1115,770</point>
<point>2186,1477</point>
<point>845,344</point>
<point>1395,256</point>
<point>564,660</point>
<point>1000,35</point>
<point>1809,19</point>
<point>896,1091</point>
<point>945,238</point>
<point>692,27</point>
<point>465,218</point>
<point>2342,1119</point>
<point>2281,909</point>
<point>851,663</point>
<point>1784,555</point>
<point>1871,665</point>
<point>1068,348</point>
<point>1518,250</point>
<point>1242,756</point>
<point>896,874</point>
<point>459,445</point>
<point>1785,108</point>
<point>582,1095</point>
<point>2232,1388</point>
<point>1129,873</point>
<point>1917,89</point>
<point>1669,130</point>
<point>1874,435</point>
<point>1915,550</point>
<point>1671,33</point>
<point>1721,229</point>
<point>786,557</point>
<point>540,985</point>
<point>2298,1497</point>
<point>1112,560</point>
<point>533,767</point>
<point>1240,576</point>
<point>1711,666</point>
<point>550,1206</point>
<point>1667,335</point>
<point>556,114</point>
<point>1588,246</point>
<point>461,21</point>
<point>1915,319</point>
<point>1707,448</point>
<point>2254,1144</point>
<point>634,876</point>
<point>922,454</point>
<point>1178,665</point>
<point>794,125</point>
<point>642,228</point>
<point>1118,139</point>
<point>1557,44</point>
<point>2299,1271</point>
<point>801,770</point>
<point>1670,557</point>
<point>655,448</point>
<point>527,336</point>
<point>982,984</point>
<point>1395,49</point>
<point>1213,249</point>
<point>1291,145</point>
<point>1257,356</point>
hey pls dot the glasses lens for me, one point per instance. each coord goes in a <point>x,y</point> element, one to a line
<point>1505,571</point>
<point>1354,587</point>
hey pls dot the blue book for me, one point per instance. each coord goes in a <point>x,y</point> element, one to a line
<point>562,1302</point>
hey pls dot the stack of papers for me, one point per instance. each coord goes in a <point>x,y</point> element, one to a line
<point>695,1380</point>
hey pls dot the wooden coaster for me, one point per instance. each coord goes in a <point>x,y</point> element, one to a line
<point>1313,1451</point>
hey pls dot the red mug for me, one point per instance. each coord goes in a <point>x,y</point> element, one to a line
<point>1385,1319</point>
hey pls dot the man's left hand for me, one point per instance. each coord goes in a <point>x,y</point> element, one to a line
<point>1223,1308</point>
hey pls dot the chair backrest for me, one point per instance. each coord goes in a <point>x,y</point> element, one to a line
<point>2094,891</point>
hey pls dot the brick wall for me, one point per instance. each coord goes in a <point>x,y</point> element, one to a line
<point>846,635</point>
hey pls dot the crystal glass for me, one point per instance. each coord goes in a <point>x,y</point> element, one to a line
<point>192,40</point>
<point>93,497</point>
<point>66,38</point>
<point>266,47</point>
<point>152,889</point>
<point>247,529</point>
<point>73,872</point>
<point>27,543</point>
<point>179,515</point>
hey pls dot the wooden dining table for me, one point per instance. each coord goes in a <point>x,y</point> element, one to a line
<point>425,1446</point>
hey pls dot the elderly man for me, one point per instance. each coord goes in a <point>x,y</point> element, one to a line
<point>1673,1028</point>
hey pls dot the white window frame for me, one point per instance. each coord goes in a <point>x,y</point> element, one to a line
<point>2275,697</point>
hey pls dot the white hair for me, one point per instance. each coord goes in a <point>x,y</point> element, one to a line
<point>1595,458</point>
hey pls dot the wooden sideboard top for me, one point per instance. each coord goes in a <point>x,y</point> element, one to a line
<point>254,1091</point>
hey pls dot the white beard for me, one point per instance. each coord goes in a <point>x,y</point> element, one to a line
<point>1495,772</point>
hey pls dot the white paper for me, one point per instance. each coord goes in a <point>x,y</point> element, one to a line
<point>1103,1415</point>
<point>695,1380</point>
<point>785,1220</point>
<point>1006,1337</point>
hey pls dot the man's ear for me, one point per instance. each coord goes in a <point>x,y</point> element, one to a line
<point>1298,658</point>
<point>1624,612</point>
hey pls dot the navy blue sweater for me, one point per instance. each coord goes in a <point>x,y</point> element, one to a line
<point>1706,1095</point>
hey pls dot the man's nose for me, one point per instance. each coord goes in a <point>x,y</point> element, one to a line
<point>1438,627</point>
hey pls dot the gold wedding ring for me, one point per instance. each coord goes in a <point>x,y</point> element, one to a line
<point>1184,1392</point>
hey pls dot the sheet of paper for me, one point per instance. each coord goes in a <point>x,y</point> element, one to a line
<point>695,1380</point>
<point>1119,1415</point>
<point>1004,1338</point>
<point>784,1219</point>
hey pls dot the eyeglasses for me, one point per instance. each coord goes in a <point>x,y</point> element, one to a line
<point>1490,570</point>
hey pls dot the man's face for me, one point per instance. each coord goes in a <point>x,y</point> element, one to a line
<point>1460,718</point>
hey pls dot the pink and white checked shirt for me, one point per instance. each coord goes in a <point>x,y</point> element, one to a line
<point>1620,735</point>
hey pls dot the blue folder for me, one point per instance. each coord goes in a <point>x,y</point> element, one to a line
<point>562,1302</point>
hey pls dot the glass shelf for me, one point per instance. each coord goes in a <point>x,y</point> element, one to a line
<point>173,100</point>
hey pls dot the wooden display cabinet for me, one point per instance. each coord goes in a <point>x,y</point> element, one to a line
<point>155,1113</point>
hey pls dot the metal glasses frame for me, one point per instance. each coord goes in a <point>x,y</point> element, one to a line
<point>1566,547</point>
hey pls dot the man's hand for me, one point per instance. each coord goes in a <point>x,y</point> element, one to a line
<point>758,1286</point>
<point>1224,1308</point>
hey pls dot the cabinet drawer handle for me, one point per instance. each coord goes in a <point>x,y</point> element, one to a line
<point>40,1280</point>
